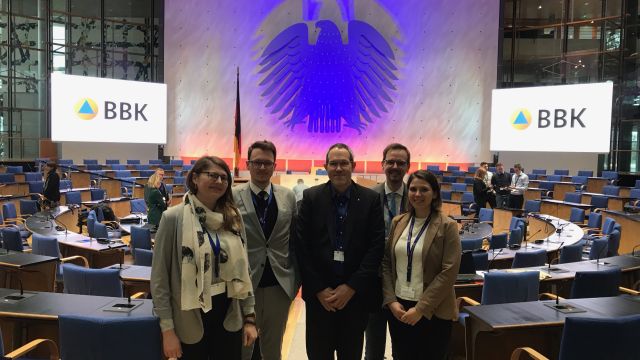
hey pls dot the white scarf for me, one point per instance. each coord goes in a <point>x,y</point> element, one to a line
<point>197,257</point>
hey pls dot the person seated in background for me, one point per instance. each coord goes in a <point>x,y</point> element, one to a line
<point>480,189</point>
<point>50,196</point>
<point>156,203</point>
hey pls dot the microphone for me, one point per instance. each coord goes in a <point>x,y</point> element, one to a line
<point>598,255</point>
<point>492,259</point>
<point>556,259</point>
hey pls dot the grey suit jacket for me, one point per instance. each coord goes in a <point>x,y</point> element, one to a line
<point>166,278</point>
<point>279,247</point>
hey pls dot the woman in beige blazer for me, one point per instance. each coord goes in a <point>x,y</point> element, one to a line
<point>419,270</point>
<point>200,280</point>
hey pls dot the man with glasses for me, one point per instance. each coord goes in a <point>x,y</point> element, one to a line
<point>268,211</point>
<point>339,244</point>
<point>393,198</point>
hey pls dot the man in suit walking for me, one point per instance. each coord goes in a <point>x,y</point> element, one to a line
<point>340,243</point>
<point>393,199</point>
<point>268,212</point>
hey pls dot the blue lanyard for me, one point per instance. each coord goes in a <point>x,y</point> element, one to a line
<point>263,218</point>
<point>411,247</point>
<point>215,246</point>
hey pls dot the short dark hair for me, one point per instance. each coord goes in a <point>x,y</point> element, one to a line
<point>52,165</point>
<point>339,146</point>
<point>518,166</point>
<point>226,205</point>
<point>499,164</point>
<point>264,145</point>
<point>396,146</point>
<point>429,177</point>
<point>484,163</point>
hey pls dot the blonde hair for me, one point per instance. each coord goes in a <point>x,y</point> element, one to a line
<point>480,173</point>
<point>154,181</point>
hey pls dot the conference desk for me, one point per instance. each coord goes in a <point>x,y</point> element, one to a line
<point>614,203</point>
<point>502,219</point>
<point>72,243</point>
<point>37,316</point>
<point>494,331</point>
<point>14,188</point>
<point>80,179</point>
<point>85,194</point>
<point>449,207</point>
<point>534,193</point>
<point>121,206</point>
<point>27,271</point>
<point>595,184</point>
<point>562,209</point>
<point>630,224</point>
<point>135,278</point>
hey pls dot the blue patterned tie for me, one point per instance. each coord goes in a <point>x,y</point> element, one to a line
<point>392,206</point>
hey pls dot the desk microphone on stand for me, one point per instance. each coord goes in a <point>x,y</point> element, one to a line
<point>492,259</point>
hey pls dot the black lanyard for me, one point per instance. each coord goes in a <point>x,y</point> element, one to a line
<point>411,247</point>
<point>263,218</point>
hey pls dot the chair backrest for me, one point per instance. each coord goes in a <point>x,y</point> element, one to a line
<point>112,161</point>
<point>532,176</point>
<point>498,241</point>
<point>554,178</point>
<point>582,180</point>
<point>155,162</point>
<point>86,281</point>
<point>65,162</point>
<point>472,169</point>
<point>547,185</point>
<point>611,190</point>
<point>517,222</point>
<point>601,338</point>
<point>611,175</point>
<point>122,174</point>
<point>142,167</point>
<point>587,173</point>
<point>121,337</point>
<point>614,243</point>
<point>591,284</point>
<point>515,236</point>
<point>577,216</point>
<point>143,257</point>
<point>36,187</point>
<point>9,212</point>
<point>140,238</point>
<point>94,167</point>
<point>595,220</point>
<point>100,231</point>
<point>531,206</point>
<point>635,193</point>
<point>600,201</point>
<point>187,167</point>
<point>599,248</point>
<point>573,197</point>
<point>119,167</point>
<point>138,206</point>
<point>467,197</point>
<point>486,214</point>
<point>458,173</point>
<point>529,258</point>
<point>169,188</point>
<point>133,162</point>
<point>447,179</point>
<point>146,173</point>
<point>15,169</point>
<point>45,245</point>
<point>468,180</point>
<point>455,186</point>
<point>66,184</point>
<point>481,260</point>
<point>98,194</point>
<point>571,253</point>
<point>433,168</point>
<point>73,197</point>
<point>608,225</point>
<point>471,244</point>
<point>176,162</point>
<point>11,239</point>
<point>32,176</point>
<point>166,166</point>
<point>502,287</point>
<point>453,168</point>
<point>90,161</point>
<point>561,172</point>
<point>179,180</point>
<point>7,178</point>
<point>445,194</point>
<point>28,207</point>
<point>539,171</point>
<point>92,218</point>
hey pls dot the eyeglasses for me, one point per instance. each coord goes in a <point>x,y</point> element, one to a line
<point>260,163</point>
<point>398,163</point>
<point>215,176</point>
<point>342,164</point>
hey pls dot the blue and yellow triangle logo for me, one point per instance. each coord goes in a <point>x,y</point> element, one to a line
<point>521,119</point>
<point>86,109</point>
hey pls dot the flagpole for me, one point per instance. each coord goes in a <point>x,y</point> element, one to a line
<point>237,139</point>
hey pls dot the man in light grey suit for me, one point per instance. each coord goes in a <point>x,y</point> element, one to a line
<point>393,197</point>
<point>268,212</point>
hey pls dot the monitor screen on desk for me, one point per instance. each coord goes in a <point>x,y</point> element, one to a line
<point>90,109</point>
<point>566,118</point>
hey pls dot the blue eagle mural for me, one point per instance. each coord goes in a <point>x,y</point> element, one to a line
<point>329,85</point>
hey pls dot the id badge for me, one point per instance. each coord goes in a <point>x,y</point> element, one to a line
<point>338,255</point>
<point>218,288</point>
<point>407,292</point>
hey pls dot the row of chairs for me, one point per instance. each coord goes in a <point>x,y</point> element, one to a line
<point>117,162</point>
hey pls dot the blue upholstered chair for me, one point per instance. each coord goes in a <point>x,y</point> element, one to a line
<point>564,172</point>
<point>459,173</point>
<point>66,185</point>
<point>166,167</point>
<point>498,241</point>
<point>601,202</point>
<point>595,220</point>
<point>141,167</point>
<point>582,180</point>
<point>601,283</point>
<point>120,174</point>
<point>434,168</point>
<point>112,161</point>
<point>94,167</point>
<point>554,178</point>
<point>181,179</point>
<point>571,253</point>
<point>587,173</point>
<point>472,169</point>
<point>481,260</point>
<point>614,242</point>
<point>445,179</point>
<point>133,162</point>
<point>48,246</point>
<point>468,180</point>
<point>187,167</point>
<point>445,194</point>
<point>36,187</point>
<point>532,206</point>
<point>87,281</point>
<point>155,162</point>
<point>98,194</point>
<point>140,239</point>
<point>468,205</point>
<point>573,197</point>
<point>92,218</point>
<point>118,167</point>
<point>539,171</point>
<point>90,162</point>
<point>515,236</point>
<point>126,186</point>
<point>7,178</point>
<point>73,197</point>
<point>599,248</point>
<point>65,162</point>
<point>517,222</point>
<point>146,173</point>
<point>18,169</point>
<point>28,207</point>
<point>32,176</point>
<point>10,216</point>
<point>611,190</point>
<point>486,215</point>
<point>138,206</point>
<point>502,287</point>
<point>611,175</point>
<point>529,258</point>
<point>102,232</point>
<point>471,244</point>
<point>176,162</point>
<point>461,187</point>
<point>105,338</point>
<point>596,338</point>
<point>142,257</point>
<point>577,216</point>
<point>11,239</point>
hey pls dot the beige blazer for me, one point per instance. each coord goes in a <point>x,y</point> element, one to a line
<point>166,277</point>
<point>441,254</point>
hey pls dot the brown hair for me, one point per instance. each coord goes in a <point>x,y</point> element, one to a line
<point>480,173</point>
<point>264,145</point>
<point>396,146</point>
<point>339,146</point>
<point>430,178</point>
<point>225,204</point>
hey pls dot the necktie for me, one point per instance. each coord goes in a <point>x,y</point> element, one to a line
<point>263,195</point>
<point>393,207</point>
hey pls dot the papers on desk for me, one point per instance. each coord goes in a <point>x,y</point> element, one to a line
<point>542,274</point>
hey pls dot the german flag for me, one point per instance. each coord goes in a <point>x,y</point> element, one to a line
<point>237,142</point>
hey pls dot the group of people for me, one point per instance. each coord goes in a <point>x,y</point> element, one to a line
<point>499,190</point>
<point>230,260</point>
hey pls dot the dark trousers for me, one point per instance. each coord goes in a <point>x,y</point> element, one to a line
<point>216,343</point>
<point>516,201</point>
<point>426,340</point>
<point>341,331</point>
<point>376,336</point>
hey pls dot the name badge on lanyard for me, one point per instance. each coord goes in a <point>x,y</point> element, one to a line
<point>338,255</point>
<point>411,247</point>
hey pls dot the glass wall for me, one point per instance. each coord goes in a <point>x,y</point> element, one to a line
<point>118,39</point>
<point>550,42</point>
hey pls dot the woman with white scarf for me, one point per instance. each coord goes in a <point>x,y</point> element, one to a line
<point>200,280</point>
